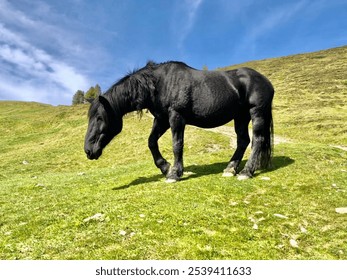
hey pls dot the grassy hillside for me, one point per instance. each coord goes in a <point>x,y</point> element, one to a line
<point>311,94</point>
<point>55,204</point>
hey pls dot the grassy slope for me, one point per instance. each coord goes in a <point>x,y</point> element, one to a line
<point>311,93</point>
<point>44,203</point>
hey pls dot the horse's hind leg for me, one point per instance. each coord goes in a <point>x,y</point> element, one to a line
<point>241,129</point>
<point>261,142</point>
<point>158,129</point>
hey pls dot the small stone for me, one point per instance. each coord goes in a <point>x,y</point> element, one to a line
<point>293,243</point>
<point>81,173</point>
<point>142,215</point>
<point>122,232</point>
<point>132,234</point>
<point>233,203</point>
<point>303,230</point>
<point>97,217</point>
<point>25,162</point>
<point>341,210</point>
<point>280,216</point>
<point>160,221</point>
<point>255,226</point>
<point>265,178</point>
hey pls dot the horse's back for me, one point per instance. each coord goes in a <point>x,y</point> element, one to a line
<point>208,98</point>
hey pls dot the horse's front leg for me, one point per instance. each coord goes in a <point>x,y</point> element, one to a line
<point>158,129</point>
<point>177,124</point>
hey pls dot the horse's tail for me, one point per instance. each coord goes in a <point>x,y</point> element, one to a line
<point>266,149</point>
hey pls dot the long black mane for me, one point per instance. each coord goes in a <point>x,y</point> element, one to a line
<point>135,89</point>
<point>132,90</point>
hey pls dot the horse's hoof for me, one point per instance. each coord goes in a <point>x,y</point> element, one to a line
<point>228,174</point>
<point>242,177</point>
<point>170,181</point>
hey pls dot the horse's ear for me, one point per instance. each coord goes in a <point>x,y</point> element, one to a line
<point>103,100</point>
<point>89,100</point>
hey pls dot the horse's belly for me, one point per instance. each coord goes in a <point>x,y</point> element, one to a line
<point>209,121</point>
<point>212,113</point>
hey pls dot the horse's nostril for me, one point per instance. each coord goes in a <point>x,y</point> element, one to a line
<point>88,152</point>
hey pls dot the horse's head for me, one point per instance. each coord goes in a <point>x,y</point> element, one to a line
<point>104,124</point>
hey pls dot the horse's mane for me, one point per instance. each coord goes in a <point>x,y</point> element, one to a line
<point>144,71</point>
<point>133,90</point>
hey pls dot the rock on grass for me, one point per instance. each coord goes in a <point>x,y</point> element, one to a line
<point>293,243</point>
<point>341,210</point>
<point>97,217</point>
<point>280,216</point>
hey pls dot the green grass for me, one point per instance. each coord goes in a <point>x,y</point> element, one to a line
<point>44,203</point>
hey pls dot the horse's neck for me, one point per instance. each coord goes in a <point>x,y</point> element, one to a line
<point>125,102</point>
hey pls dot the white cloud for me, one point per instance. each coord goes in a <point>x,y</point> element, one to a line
<point>28,71</point>
<point>185,19</point>
<point>29,91</point>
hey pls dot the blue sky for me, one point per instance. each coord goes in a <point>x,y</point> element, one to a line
<point>50,49</point>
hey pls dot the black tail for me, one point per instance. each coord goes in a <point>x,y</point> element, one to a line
<point>267,145</point>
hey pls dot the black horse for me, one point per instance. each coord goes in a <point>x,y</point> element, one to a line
<point>177,95</point>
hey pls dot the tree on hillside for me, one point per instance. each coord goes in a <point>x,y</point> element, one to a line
<point>93,92</point>
<point>78,97</point>
<point>97,90</point>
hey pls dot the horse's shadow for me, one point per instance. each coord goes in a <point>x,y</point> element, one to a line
<point>196,171</point>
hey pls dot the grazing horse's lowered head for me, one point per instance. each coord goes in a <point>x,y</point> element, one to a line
<point>104,124</point>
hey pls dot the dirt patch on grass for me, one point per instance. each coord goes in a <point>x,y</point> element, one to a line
<point>229,131</point>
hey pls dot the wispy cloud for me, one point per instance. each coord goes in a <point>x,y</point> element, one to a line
<point>263,24</point>
<point>28,71</point>
<point>275,19</point>
<point>184,19</point>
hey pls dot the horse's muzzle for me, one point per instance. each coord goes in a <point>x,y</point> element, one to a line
<point>91,155</point>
